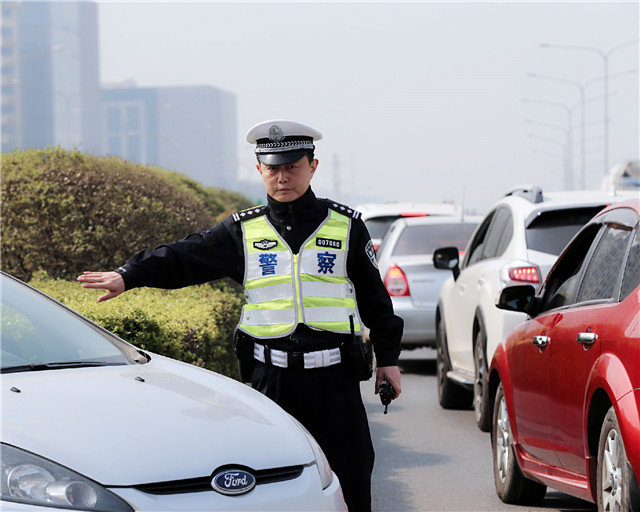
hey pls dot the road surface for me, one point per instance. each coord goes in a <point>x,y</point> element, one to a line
<point>431,459</point>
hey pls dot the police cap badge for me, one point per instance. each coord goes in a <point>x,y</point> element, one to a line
<point>279,141</point>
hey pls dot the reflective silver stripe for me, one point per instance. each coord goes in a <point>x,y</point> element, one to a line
<point>317,359</point>
<point>322,358</point>
<point>313,315</point>
<point>283,267</point>
<point>266,293</point>
<point>278,357</point>
<point>268,316</point>
<point>335,290</point>
<point>309,263</point>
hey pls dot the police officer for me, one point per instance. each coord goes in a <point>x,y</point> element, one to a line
<point>311,280</point>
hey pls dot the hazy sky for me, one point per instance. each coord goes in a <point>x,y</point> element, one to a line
<point>417,100</point>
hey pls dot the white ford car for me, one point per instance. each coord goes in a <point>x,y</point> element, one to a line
<point>517,242</point>
<point>89,422</point>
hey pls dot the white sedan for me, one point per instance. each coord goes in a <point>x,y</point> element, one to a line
<point>90,422</point>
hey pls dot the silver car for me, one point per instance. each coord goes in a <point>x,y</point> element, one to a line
<point>406,266</point>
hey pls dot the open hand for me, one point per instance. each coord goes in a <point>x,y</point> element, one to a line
<point>110,281</point>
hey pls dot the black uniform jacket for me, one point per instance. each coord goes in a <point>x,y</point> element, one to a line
<point>218,252</point>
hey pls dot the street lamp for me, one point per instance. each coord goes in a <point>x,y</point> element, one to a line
<point>568,170</point>
<point>605,59</point>
<point>548,158</point>
<point>565,156</point>
<point>546,125</point>
<point>581,86</point>
<point>550,154</point>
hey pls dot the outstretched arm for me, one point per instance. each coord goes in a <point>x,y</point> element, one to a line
<point>198,258</point>
<point>110,281</point>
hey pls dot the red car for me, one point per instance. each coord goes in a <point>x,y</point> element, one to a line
<point>565,385</point>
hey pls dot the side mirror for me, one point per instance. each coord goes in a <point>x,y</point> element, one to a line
<point>447,258</point>
<point>520,298</point>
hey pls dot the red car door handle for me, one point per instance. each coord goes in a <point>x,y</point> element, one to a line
<point>587,338</point>
<point>541,341</point>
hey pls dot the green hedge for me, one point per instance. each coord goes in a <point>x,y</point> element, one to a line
<point>65,212</point>
<point>193,324</point>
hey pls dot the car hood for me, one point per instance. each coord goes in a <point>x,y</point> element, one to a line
<point>135,424</point>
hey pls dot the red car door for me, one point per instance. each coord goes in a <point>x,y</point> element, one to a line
<point>576,342</point>
<point>532,355</point>
<point>529,360</point>
<point>570,366</point>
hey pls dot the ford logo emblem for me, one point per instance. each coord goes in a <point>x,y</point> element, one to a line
<point>233,481</point>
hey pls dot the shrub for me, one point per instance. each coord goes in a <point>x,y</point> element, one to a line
<point>65,212</point>
<point>193,324</point>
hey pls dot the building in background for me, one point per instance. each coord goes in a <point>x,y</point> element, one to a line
<point>51,96</point>
<point>50,76</point>
<point>188,129</point>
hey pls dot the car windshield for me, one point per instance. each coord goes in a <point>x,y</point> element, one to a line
<point>378,226</point>
<point>552,230</point>
<point>424,239</point>
<point>39,334</point>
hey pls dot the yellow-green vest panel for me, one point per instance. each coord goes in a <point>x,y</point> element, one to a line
<point>312,287</point>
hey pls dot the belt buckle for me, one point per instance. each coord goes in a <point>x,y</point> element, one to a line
<point>296,360</point>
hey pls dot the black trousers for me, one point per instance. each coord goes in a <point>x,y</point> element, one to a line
<point>328,403</point>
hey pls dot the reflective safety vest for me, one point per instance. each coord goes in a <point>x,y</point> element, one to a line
<point>283,289</point>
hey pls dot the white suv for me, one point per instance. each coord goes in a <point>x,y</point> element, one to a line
<point>517,242</point>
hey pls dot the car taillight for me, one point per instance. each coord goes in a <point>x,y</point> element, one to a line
<point>414,214</point>
<point>375,247</point>
<point>396,282</point>
<point>529,274</point>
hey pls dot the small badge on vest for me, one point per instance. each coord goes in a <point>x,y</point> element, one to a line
<point>265,245</point>
<point>371,252</point>
<point>328,242</point>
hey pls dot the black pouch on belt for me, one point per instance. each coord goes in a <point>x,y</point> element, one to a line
<point>244,352</point>
<point>357,356</point>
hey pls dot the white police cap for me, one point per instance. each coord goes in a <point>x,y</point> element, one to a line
<point>279,141</point>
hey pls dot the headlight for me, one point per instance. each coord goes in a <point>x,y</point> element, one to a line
<point>324,470</point>
<point>29,479</point>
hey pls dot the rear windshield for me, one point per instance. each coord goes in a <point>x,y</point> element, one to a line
<point>378,226</point>
<point>551,231</point>
<point>426,238</point>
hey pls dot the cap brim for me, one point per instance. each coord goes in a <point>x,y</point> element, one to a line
<point>285,157</point>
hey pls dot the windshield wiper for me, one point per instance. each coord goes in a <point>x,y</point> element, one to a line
<point>34,367</point>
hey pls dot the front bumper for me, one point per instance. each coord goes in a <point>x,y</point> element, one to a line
<point>299,494</point>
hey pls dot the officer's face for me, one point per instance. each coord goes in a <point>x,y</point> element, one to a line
<point>289,181</point>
